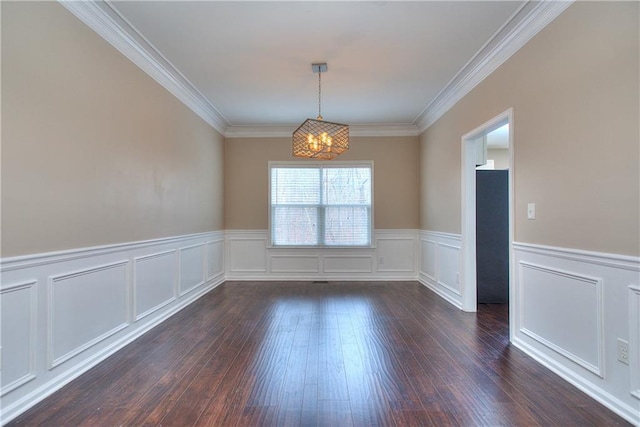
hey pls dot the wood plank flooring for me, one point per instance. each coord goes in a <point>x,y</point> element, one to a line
<point>322,354</point>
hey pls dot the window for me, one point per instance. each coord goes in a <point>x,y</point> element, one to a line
<point>318,204</point>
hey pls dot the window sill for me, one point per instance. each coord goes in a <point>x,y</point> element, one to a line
<point>371,247</point>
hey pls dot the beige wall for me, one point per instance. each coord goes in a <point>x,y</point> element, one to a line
<point>574,90</point>
<point>500,158</point>
<point>93,150</point>
<point>395,179</point>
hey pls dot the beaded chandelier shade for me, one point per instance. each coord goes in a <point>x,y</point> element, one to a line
<point>317,139</point>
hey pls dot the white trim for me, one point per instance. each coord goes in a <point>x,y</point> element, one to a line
<point>624,262</point>
<point>442,234</point>
<point>424,279</point>
<point>36,260</point>
<point>610,401</point>
<point>468,266</point>
<point>285,131</point>
<point>107,22</point>
<point>634,339</point>
<point>525,23</point>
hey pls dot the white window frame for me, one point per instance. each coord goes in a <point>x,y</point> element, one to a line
<point>326,165</point>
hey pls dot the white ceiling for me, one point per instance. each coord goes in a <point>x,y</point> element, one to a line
<point>252,60</point>
<point>244,67</point>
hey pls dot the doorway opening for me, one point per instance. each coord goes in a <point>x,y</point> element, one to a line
<point>474,154</point>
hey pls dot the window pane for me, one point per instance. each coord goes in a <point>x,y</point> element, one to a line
<point>347,186</point>
<point>347,225</point>
<point>298,186</point>
<point>318,205</point>
<point>294,225</point>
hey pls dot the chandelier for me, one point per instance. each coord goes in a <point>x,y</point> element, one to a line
<point>318,139</point>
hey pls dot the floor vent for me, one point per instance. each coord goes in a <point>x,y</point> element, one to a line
<point>320,282</point>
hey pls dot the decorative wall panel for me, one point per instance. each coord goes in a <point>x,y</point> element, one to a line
<point>439,268</point>
<point>546,294</point>
<point>191,267</point>
<point>18,303</point>
<point>215,258</point>
<point>634,340</point>
<point>85,307</point>
<point>396,254</point>
<point>247,255</point>
<point>294,264</point>
<point>154,286</point>
<point>348,264</point>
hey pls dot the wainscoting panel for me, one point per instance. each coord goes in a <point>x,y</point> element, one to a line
<point>576,334</point>
<point>246,253</point>
<point>191,267</point>
<point>348,264</point>
<point>634,339</point>
<point>448,267</point>
<point>18,302</point>
<point>428,251</point>
<point>440,264</point>
<point>64,312</point>
<point>294,264</point>
<point>215,259</point>
<point>248,257</point>
<point>85,307</point>
<point>572,306</point>
<point>396,254</point>
<point>154,282</point>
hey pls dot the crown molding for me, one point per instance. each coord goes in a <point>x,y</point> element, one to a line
<point>260,131</point>
<point>102,18</point>
<point>525,23</point>
<point>273,131</point>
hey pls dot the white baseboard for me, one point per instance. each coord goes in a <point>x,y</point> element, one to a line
<point>626,411</point>
<point>426,281</point>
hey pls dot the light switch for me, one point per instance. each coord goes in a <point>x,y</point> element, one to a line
<point>531,211</point>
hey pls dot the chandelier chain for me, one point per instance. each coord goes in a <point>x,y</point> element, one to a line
<point>319,94</point>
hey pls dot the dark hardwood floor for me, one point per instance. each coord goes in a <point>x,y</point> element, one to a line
<point>343,353</point>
